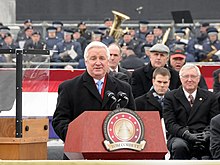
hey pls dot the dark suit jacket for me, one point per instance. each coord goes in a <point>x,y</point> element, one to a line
<point>141,80</point>
<point>147,102</point>
<point>179,116</point>
<point>123,70</point>
<point>80,94</point>
<point>215,137</point>
<point>132,62</point>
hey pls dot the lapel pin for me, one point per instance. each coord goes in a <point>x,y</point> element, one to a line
<point>200,99</point>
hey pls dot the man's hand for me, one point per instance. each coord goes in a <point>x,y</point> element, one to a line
<point>193,137</point>
<point>205,136</point>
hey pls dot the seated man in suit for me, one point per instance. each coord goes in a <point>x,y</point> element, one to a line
<point>141,79</point>
<point>215,137</point>
<point>87,92</point>
<point>187,114</point>
<point>153,100</point>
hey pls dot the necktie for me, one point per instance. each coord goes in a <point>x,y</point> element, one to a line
<point>99,86</point>
<point>191,100</point>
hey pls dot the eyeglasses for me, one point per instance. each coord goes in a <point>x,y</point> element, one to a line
<point>189,76</point>
<point>114,55</point>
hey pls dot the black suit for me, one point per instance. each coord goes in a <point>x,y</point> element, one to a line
<point>215,137</point>
<point>141,80</point>
<point>132,62</point>
<point>123,70</point>
<point>179,117</point>
<point>148,102</point>
<point>80,94</point>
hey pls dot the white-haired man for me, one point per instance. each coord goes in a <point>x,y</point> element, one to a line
<point>187,114</point>
<point>87,91</point>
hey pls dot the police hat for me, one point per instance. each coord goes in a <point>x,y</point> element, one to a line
<point>97,33</point>
<point>81,23</point>
<point>51,29</point>
<point>57,24</point>
<point>103,28</point>
<point>212,31</point>
<point>68,31</point>
<point>75,30</point>
<point>147,47</point>
<point>180,32</point>
<point>160,48</point>
<point>7,35</point>
<point>149,33</point>
<point>127,33</point>
<point>107,19</point>
<point>143,23</point>
<point>205,24</point>
<point>178,53</point>
<point>29,27</point>
<point>157,27</point>
<point>4,29</point>
<point>27,21</point>
<point>36,33</point>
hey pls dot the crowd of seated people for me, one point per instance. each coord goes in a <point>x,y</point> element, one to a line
<point>67,44</point>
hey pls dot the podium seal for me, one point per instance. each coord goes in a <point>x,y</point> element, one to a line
<point>123,129</point>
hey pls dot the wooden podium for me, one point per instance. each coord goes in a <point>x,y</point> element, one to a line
<point>85,138</point>
<point>32,145</point>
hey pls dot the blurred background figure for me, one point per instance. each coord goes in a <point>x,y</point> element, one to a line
<point>131,61</point>
<point>21,33</point>
<point>59,26</point>
<point>142,31</point>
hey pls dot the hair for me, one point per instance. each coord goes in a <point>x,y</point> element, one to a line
<point>189,66</point>
<point>161,71</point>
<point>96,44</point>
<point>116,44</point>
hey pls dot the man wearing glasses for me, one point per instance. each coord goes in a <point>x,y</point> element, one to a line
<point>187,114</point>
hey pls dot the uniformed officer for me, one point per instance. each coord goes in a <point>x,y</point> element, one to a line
<point>158,33</point>
<point>146,54</point>
<point>84,31</point>
<point>142,31</point>
<point>21,32</point>
<point>68,50</point>
<point>77,37</point>
<point>51,40</point>
<point>149,40</point>
<point>3,31</point>
<point>8,43</point>
<point>28,31</point>
<point>59,26</point>
<point>35,41</point>
<point>128,41</point>
<point>106,39</point>
<point>211,47</point>
<point>195,43</point>
<point>108,22</point>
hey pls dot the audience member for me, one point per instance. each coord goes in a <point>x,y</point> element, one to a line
<point>178,59</point>
<point>68,50</point>
<point>141,80</point>
<point>187,114</point>
<point>87,91</point>
<point>59,26</point>
<point>115,58</point>
<point>21,33</point>
<point>215,137</point>
<point>142,31</point>
<point>153,100</point>
<point>131,61</point>
<point>216,78</point>
<point>213,43</point>
<point>34,42</point>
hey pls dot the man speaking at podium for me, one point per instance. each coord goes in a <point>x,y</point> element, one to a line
<point>94,90</point>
